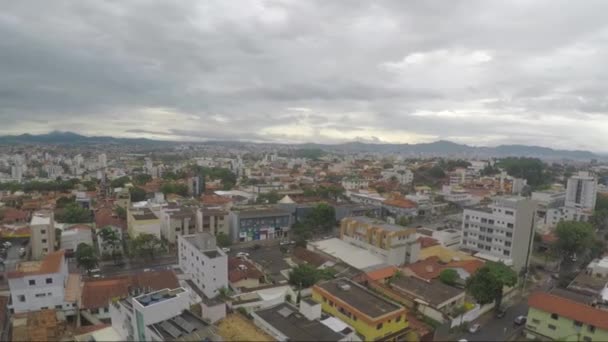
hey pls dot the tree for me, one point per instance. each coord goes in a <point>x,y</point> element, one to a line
<point>436,172</point>
<point>574,237</point>
<point>85,257</point>
<point>449,276</point>
<point>305,276</point>
<point>137,194</point>
<point>486,285</point>
<point>62,202</point>
<point>141,179</point>
<point>110,239</point>
<point>73,213</point>
<point>403,221</point>
<point>121,213</point>
<point>174,188</point>
<point>322,217</point>
<point>90,185</point>
<point>223,240</point>
<point>146,245</point>
<point>120,182</point>
<point>271,197</point>
<point>531,169</point>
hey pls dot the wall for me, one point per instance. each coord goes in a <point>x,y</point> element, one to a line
<point>213,313</point>
<point>538,323</point>
<point>208,274</point>
<point>145,227</point>
<point>268,328</point>
<point>53,293</point>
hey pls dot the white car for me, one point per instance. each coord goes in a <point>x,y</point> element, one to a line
<point>225,250</point>
<point>474,328</point>
<point>242,255</point>
<point>7,244</point>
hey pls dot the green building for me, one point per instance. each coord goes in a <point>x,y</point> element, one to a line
<point>565,316</point>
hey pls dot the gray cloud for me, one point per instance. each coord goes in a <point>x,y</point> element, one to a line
<point>480,72</point>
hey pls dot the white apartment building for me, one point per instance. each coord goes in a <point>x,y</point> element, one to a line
<point>365,197</point>
<point>503,231</point>
<point>103,160</point>
<point>402,176</point>
<point>177,220</point>
<point>73,236</point>
<point>38,285</point>
<point>581,191</point>
<point>207,265</point>
<point>550,198</point>
<point>354,183</point>
<point>459,196</point>
<point>42,240</point>
<point>554,216</point>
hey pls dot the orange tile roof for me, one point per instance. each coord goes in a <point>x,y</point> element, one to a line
<point>431,267</point>
<point>310,257</point>
<point>10,215</point>
<point>104,217</point>
<point>401,203</point>
<point>97,293</point>
<point>569,309</point>
<point>426,242</point>
<point>381,274</point>
<point>50,264</point>
<point>214,199</point>
<point>235,273</point>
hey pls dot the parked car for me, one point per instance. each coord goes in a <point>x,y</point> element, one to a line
<point>520,320</point>
<point>474,328</point>
<point>22,252</point>
<point>242,255</point>
<point>225,250</point>
<point>501,313</point>
<point>7,244</point>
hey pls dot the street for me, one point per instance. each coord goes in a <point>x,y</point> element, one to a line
<point>500,329</point>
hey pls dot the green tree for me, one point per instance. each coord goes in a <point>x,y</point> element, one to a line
<point>574,237</point>
<point>304,276</point>
<point>449,276</point>
<point>62,202</point>
<point>174,188</point>
<point>403,221</point>
<point>322,217</point>
<point>223,240</point>
<point>141,179</point>
<point>137,194</point>
<point>90,185</point>
<point>487,284</point>
<point>436,172</point>
<point>531,169</point>
<point>271,197</point>
<point>111,240</point>
<point>146,245</point>
<point>120,182</point>
<point>85,257</point>
<point>121,213</point>
<point>73,213</point>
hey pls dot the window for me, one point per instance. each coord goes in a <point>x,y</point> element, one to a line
<point>509,234</point>
<point>21,298</point>
<point>591,328</point>
<point>38,295</point>
<point>43,240</point>
<point>551,326</point>
<point>45,250</point>
<point>57,306</point>
<point>379,326</point>
<point>554,316</point>
<point>43,231</point>
<point>509,212</point>
<point>44,308</point>
<point>32,282</point>
<point>49,280</point>
<point>509,225</point>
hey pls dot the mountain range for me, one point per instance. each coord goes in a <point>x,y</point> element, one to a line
<point>438,148</point>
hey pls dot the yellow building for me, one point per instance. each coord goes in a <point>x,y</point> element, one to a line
<point>142,221</point>
<point>373,317</point>
<point>443,253</point>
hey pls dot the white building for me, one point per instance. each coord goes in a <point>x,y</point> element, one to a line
<point>365,197</point>
<point>204,262</point>
<point>402,176</point>
<point>581,191</point>
<point>502,231</point>
<point>72,236</point>
<point>550,198</point>
<point>556,215</point>
<point>103,160</point>
<point>17,172</point>
<point>354,183</point>
<point>459,196</point>
<point>38,285</point>
<point>43,234</point>
<point>598,268</point>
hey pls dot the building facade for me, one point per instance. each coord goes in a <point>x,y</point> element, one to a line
<point>43,234</point>
<point>503,231</point>
<point>581,191</point>
<point>259,224</point>
<point>207,265</point>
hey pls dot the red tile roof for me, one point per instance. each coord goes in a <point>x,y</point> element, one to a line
<point>426,242</point>
<point>51,263</point>
<point>381,274</point>
<point>236,273</point>
<point>214,200</point>
<point>103,218</point>
<point>97,293</point>
<point>401,203</point>
<point>310,257</point>
<point>431,267</point>
<point>569,309</point>
<point>11,215</point>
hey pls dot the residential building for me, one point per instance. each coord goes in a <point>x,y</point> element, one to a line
<point>105,248</point>
<point>349,209</point>
<point>354,183</point>
<point>404,177</point>
<point>458,196</point>
<point>557,317</point>
<point>103,160</point>
<point>177,220</point>
<point>285,322</point>
<point>97,294</point>
<point>264,223</point>
<point>503,231</point>
<point>39,285</point>
<point>373,317</point>
<point>213,221</point>
<point>207,265</point>
<point>242,274</point>
<point>430,268</point>
<point>398,207</point>
<point>72,236</point>
<point>42,241</point>
<point>395,244</point>
<point>365,197</point>
<point>159,316</point>
<point>554,216</point>
<point>581,191</point>
<point>143,220</point>
<point>448,237</point>
<point>352,255</point>
<point>550,198</point>
<point>598,268</point>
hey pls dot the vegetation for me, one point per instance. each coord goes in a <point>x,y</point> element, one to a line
<point>305,276</point>
<point>449,276</point>
<point>90,185</point>
<point>85,257</point>
<point>574,237</point>
<point>451,165</point>
<point>486,285</point>
<point>309,153</point>
<point>63,202</point>
<point>329,192</point>
<point>120,182</point>
<point>121,212</point>
<point>174,188</point>
<point>111,240</point>
<point>223,240</point>
<point>489,170</point>
<point>137,194</point>
<point>600,214</point>
<point>73,213</point>
<point>322,217</point>
<point>271,197</point>
<point>146,245</point>
<point>531,169</point>
<point>141,179</point>
<point>436,172</point>
<point>57,185</point>
<point>226,176</point>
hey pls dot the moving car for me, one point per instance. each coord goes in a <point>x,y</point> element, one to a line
<point>474,328</point>
<point>520,320</point>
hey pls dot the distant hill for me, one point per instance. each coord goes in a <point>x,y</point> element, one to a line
<point>437,148</point>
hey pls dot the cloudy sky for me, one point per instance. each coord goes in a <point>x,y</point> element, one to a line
<point>476,72</point>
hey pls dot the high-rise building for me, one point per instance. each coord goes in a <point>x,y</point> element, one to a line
<point>200,257</point>
<point>17,172</point>
<point>502,231</point>
<point>103,160</point>
<point>43,234</point>
<point>581,191</point>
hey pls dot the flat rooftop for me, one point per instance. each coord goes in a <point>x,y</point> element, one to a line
<point>40,218</point>
<point>260,212</point>
<point>140,214</point>
<point>434,291</point>
<point>352,255</point>
<point>204,242</point>
<point>377,223</point>
<point>359,297</point>
<point>291,323</point>
<point>158,296</point>
<point>185,327</point>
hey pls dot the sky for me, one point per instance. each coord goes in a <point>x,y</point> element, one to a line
<point>483,72</point>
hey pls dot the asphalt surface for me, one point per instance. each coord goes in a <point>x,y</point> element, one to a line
<point>500,329</point>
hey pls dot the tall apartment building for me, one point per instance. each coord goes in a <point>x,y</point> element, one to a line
<point>502,231</point>
<point>177,220</point>
<point>43,234</point>
<point>213,221</point>
<point>206,264</point>
<point>581,191</point>
<point>395,244</point>
<point>103,160</point>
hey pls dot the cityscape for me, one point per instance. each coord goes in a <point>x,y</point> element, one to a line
<point>276,170</point>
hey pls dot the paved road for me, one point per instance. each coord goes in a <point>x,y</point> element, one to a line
<point>130,267</point>
<point>500,329</point>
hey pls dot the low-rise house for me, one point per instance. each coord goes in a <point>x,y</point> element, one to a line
<point>398,207</point>
<point>243,275</point>
<point>285,322</point>
<point>373,317</point>
<point>261,297</point>
<point>557,317</point>
<point>177,220</point>
<point>143,221</point>
<point>430,268</point>
<point>72,236</point>
<point>214,221</point>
